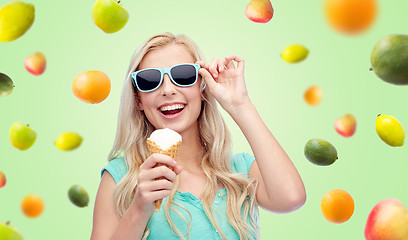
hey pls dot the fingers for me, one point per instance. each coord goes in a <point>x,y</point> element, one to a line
<point>147,197</point>
<point>161,171</point>
<point>156,158</point>
<point>213,68</point>
<point>203,64</point>
<point>219,65</point>
<point>177,169</point>
<point>240,61</point>
<point>211,72</point>
<point>157,185</point>
<point>209,80</point>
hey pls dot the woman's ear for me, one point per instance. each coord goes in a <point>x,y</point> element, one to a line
<point>139,104</point>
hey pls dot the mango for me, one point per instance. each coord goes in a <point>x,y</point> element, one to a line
<point>35,64</point>
<point>259,11</point>
<point>6,85</point>
<point>389,59</point>
<point>15,19</point>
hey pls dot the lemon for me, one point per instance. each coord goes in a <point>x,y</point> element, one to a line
<point>15,19</point>
<point>78,196</point>
<point>294,53</point>
<point>320,152</point>
<point>390,130</point>
<point>68,141</point>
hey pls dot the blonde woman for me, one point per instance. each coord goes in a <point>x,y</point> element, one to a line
<point>209,194</point>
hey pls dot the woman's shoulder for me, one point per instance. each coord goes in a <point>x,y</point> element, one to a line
<point>116,168</point>
<point>242,162</point>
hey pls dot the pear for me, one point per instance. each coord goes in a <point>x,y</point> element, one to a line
<point>21,136</point>
<point>110,16</point>
<point>8,232</point>
<point>15,19</point>
<point>389,59</point>
<point>259,11</point>
<point>6,85</point>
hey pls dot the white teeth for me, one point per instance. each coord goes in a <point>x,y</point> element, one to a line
<point>172,107</point>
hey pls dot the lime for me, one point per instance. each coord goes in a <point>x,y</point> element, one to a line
<point>68,141</point>
<point>78,196</point>
<point>294,53</point>
<point>390,130</point>
<point>6,85</point>
<point>320,152</point>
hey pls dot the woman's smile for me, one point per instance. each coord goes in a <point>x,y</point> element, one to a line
<point>171,110</point>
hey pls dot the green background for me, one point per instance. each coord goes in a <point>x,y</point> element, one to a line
<point>367,168</point>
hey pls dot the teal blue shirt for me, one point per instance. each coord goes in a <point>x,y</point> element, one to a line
<point>201,227</point>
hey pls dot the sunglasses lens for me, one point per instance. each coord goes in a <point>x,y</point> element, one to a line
<point>184,75</point>
<point>148,79</point>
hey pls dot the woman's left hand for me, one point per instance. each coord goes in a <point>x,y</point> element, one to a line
<point>226,81</point>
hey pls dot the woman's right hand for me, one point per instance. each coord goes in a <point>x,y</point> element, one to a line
<point>154,182</point>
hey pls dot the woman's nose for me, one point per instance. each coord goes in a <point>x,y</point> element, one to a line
<point>167,87</point>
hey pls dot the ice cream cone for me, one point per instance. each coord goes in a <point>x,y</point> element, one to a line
<point>170,151</point>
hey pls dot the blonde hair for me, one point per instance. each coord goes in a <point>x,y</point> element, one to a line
<point>133,129</point>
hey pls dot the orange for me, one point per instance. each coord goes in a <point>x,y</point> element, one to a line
<point>337,206</point>
<point>313,95</point>
<point>91,86</point>
<point>350,16</point>
<point>32,205</point>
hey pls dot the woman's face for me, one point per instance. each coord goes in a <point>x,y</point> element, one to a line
<point>170,106</point>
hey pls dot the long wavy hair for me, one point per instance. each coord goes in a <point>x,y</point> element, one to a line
<point>130,143</point>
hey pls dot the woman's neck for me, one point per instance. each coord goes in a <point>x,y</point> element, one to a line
<point>189,156</point>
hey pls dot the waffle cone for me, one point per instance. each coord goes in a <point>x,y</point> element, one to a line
<point>171,152</point>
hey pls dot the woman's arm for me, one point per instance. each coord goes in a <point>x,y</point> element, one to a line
<point>280,188</point>
<point>106,224</point>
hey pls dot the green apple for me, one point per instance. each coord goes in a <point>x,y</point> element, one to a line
<point>6,85</point>
<point>109,15</point>
<point>21,136</point>
<point>16,18</point>
<point>8,232</point>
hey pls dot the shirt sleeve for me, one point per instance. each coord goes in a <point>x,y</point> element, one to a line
<point>116,168</point>
<point>242,162</point>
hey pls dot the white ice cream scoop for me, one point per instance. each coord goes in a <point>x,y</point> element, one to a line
<point>165,138</point>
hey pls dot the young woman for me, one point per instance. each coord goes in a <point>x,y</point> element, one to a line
<point>209,194</point>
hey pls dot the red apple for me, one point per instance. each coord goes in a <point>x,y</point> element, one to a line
<point>345,125</point>
<point>2,179</point>
<point>260,11</point>
<point>388,220</point>
<point>35,63</point>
